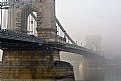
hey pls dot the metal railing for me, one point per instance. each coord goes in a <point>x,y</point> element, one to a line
<point>20,36</point>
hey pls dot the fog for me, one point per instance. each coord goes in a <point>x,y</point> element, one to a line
<point>92,17</point>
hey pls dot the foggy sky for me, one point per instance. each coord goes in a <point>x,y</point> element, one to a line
<point>92,17</point>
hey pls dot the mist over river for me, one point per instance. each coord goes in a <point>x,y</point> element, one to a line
<point>110,73</point>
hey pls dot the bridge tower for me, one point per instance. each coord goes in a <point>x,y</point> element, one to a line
<point>14,19</point>
<point>45,10</point>
<point>45,17</point>
<point>45,13</point>
<point>93,42</point>
<point>31,65</point>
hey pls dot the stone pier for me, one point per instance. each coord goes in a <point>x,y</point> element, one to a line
<point>34,65</point>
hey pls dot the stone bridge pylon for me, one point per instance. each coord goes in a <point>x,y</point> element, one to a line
<point>33,64</point>
<point>45,13</point>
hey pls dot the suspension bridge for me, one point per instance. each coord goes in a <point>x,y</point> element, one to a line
<point>31,44</point>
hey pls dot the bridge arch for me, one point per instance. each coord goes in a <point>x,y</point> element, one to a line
<point>25,12</point>
<point>45,10</point>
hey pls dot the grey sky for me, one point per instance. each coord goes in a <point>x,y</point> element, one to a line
<point>91,17</point>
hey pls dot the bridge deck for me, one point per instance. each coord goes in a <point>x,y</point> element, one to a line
<point>13,37</point>
<point>10,39</point>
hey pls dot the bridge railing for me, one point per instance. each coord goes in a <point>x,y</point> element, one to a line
<point>60,39</point>
<point>72,46</point>
<point>19,36</point>
<point>77,47</point>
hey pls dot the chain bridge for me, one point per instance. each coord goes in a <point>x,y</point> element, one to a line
<point>35,57</point>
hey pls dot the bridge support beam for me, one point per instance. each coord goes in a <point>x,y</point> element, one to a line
<point>35,65</point>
